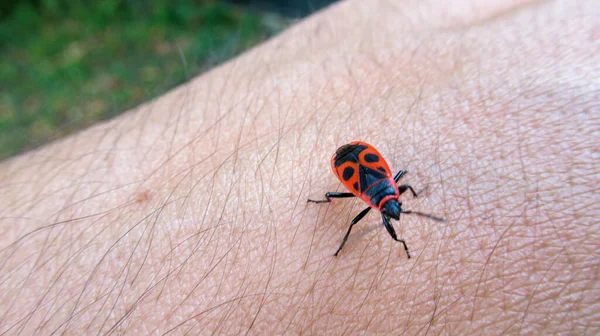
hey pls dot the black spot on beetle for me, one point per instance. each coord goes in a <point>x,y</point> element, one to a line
<point>348,172</point>
<point>381,169</point>
<point>371,158</point>
<point>355,186</point>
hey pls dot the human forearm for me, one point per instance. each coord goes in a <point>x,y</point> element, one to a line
<point>190,213</point>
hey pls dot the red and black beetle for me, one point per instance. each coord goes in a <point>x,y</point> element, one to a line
<point>367,175</point>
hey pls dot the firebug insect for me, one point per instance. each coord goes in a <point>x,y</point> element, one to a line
<point>367,175</point>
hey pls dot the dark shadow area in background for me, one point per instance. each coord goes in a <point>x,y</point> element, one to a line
<point>288,8</point>
<point>69,64</point>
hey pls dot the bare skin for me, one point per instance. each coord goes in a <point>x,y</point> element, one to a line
<point>189,214</point>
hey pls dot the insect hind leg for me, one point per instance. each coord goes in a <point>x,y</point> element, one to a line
<point>330,195</point>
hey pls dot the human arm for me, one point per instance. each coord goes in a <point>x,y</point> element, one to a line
<point>190,214</point>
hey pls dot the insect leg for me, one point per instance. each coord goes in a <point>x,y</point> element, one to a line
<point>354,221</point>
<point>392,232</point>
<point>399,175</point>
<point>331,195</point>
<point>406,187</point>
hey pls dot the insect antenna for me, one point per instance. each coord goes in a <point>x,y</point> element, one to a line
<point>437,219</point>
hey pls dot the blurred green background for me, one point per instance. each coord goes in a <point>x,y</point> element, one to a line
<point>67,64</point>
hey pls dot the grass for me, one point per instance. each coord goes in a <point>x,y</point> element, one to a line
<point>69,64</point>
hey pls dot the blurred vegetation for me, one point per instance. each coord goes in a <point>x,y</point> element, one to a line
<point>68,64</point>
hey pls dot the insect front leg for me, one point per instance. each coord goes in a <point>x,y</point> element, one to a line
<point>331,195</point>
<point>392,232</point>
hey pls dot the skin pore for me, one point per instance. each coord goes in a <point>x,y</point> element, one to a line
<point>189,214</point>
